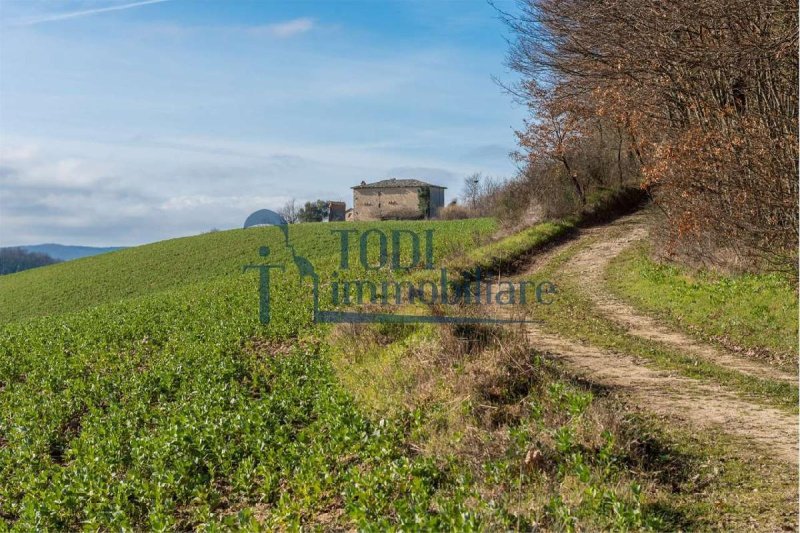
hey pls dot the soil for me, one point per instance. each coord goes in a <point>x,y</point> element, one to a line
<point>703,404</point>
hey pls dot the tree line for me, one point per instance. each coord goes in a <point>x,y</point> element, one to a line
<point>696,101</point>
<point>18,259</point>
<point>315,211</point>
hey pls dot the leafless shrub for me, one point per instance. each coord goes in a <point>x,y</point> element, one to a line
<point>454,211</point>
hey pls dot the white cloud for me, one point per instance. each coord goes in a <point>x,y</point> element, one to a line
<point>12,153</point>
<point>289,28</point>
<point>83,13</point>
<point>105,193</point>
<point>239,203</point>
<point>26,165</point>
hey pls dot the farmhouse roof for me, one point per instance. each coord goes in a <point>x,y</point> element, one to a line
<point>394,182</point>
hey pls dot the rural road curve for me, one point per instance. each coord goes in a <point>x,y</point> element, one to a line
<point>701,403</point>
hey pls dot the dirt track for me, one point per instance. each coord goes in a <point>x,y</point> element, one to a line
<point>590,265</point>
<point>703,404</point>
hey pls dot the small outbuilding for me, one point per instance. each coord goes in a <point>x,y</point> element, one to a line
<point>397,199</point>
<point>336,212</point>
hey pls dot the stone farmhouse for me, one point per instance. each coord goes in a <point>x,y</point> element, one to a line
<point>397,199</point>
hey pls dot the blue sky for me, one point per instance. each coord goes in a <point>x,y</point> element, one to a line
<point>124,122</point>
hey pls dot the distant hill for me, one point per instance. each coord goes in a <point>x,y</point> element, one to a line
<point>65,252</point>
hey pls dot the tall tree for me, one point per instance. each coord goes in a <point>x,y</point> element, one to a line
<point>472,190</point>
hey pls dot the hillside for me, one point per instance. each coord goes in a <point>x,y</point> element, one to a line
<point>163,350</point>
<point>175,263</point>
<point>140,391</point>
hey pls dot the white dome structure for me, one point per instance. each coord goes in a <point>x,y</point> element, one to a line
<point>264,217</point>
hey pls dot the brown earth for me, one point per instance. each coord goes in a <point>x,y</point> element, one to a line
<point>700,403</point>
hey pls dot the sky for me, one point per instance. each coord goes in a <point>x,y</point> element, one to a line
<point>124,122</point>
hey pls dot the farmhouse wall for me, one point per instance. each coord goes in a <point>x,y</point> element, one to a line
<point>386,203</point>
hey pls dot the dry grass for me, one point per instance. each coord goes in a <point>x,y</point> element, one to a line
<point>500,411</point>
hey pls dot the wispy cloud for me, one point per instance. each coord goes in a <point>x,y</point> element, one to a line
<point>267,101</point>
<point>288,28</point>
<point>83,13</point>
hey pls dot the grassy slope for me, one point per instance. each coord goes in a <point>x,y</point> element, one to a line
<point>756,312</point>
<point>487,401</point>
<point>169,404</point>
<point>541,448</point>
<point>537,449</point>
<point>499,254</point>
<point>75,285</point>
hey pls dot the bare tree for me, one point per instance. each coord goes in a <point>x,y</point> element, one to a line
<point>703,95</point>
<point>471,190</point>
<point>289,211</point>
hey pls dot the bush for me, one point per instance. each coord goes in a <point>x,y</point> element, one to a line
<point>608,204</point>
<point>455,212</point>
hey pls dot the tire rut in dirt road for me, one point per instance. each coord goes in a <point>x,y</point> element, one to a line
<point>589,265</point>
<point>704,405</point>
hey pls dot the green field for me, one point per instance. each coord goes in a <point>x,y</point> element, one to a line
<point>175,263</point>
<point>138,390</point>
